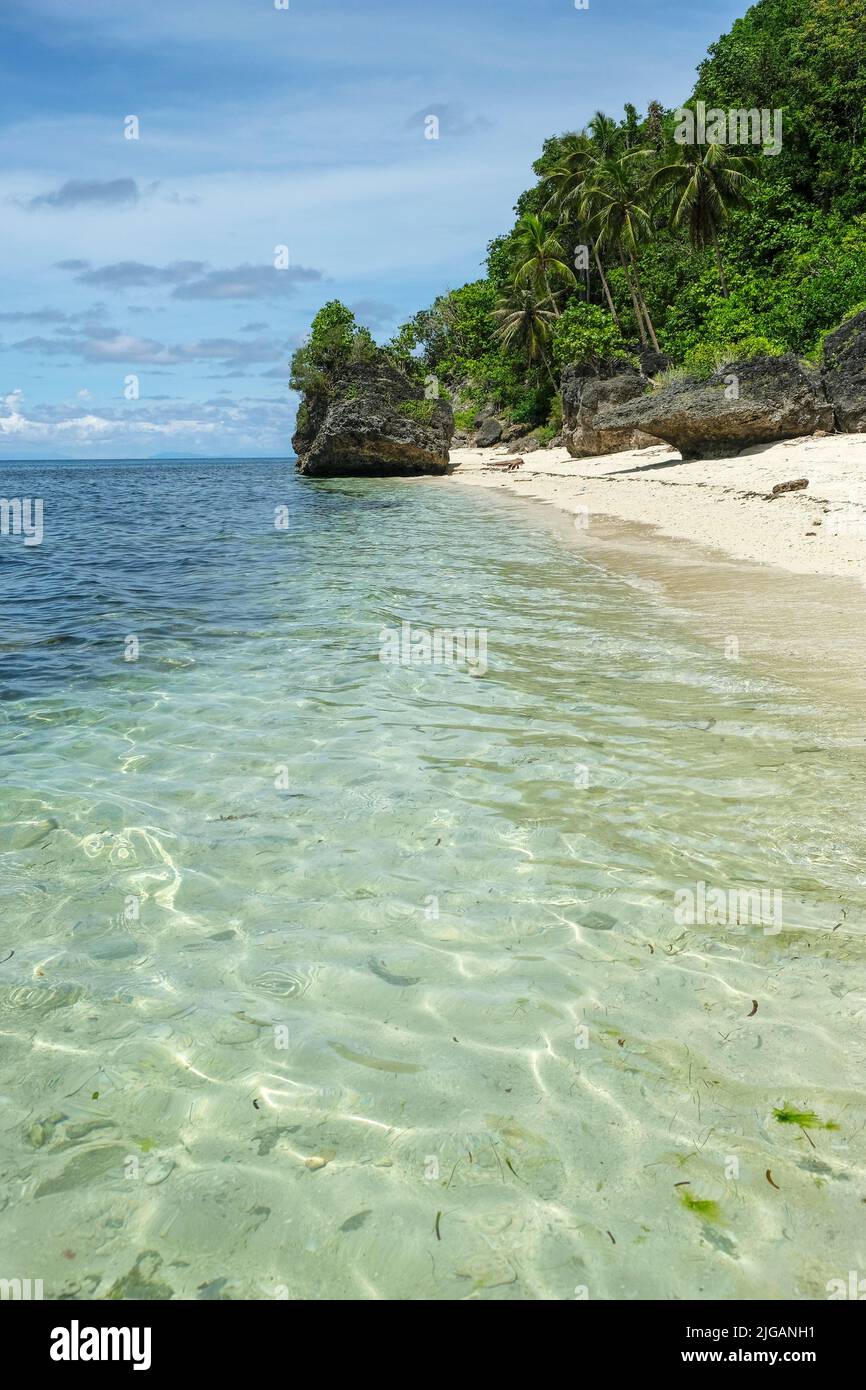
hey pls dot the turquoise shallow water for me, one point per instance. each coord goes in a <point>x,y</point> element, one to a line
<point>333,978</point>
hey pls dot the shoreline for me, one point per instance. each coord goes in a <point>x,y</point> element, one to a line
<point>716,504</point>
<point>737,566</point>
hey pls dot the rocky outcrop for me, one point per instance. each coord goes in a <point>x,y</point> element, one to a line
<point>587,401</point>
<point>373,421</point>
<point>489,434</point>
<point>844,373</point>
<point>512,432</point>
<point>753,401</point>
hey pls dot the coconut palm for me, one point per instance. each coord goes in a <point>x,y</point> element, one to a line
<point>615,207</point>
<point>540,255</point>
<point>607,138</point>
<point>701,184</point>
<point>564,185</point>
<point>524,322</point>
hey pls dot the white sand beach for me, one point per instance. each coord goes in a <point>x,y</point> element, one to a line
<point>723,504</point>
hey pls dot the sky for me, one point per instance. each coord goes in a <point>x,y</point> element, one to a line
<point>186,182</point>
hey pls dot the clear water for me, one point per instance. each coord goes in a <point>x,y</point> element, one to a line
<point>341,979</point>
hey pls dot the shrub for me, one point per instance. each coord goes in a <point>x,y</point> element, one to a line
<point>422,411</point>
<point>707,358</point>
<point>584,334</point>
<point>532,405</point>
<point>326,352</point>
<point>465,420</point>
<point>669,376</point>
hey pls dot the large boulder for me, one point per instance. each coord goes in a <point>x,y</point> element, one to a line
<point>372,422</point>
<point>489,434</point>
<point>844,373</point>
<point>588,398</point>
<point>753,401</point>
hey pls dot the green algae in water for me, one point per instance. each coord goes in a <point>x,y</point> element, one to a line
<point>701,1206</point>
<point>805,1119</point>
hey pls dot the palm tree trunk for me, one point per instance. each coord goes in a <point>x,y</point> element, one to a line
<point>605,286</point>
<point>722,281</point>
<point>550,295</point>
<point>649,322</point>
<point>637,313</point>
<point>548,369</point>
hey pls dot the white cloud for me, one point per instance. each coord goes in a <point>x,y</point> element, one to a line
<point>257,425</point>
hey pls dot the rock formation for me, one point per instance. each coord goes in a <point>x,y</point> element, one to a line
<point>372,422</point>
<point>753,401</point>
<point>844,373</point>
<point>588,397</point>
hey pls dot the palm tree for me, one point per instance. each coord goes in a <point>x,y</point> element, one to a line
<point>631,131</point>
<point>614,205</point>
<point>606,135</point>
<point>540,254</point>
<point>565,184</point>
<point>655,116</point>
<point>702,184</point>
<point>523,321</point>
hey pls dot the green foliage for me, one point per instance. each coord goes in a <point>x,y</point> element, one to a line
<point>363,347</point>
<point>458,328</point>
<point>532,406</point>
<point>335,342</point>
<point>327,350</point>
<point>706,358</point>
<point>808,61</point>
<point>716,253</point>
<point>583,334</point>
<point>794,274</point>
<point>670,375</point>
<point>422,411</point>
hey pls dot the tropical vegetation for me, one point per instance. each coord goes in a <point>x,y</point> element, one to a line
<point>629,240</point>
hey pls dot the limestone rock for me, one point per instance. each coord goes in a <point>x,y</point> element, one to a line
<point>844,373</point>
<point>753,401</point>
<point>373,422</point>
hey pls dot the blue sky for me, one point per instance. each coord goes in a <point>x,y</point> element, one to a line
<point>262,127</point>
